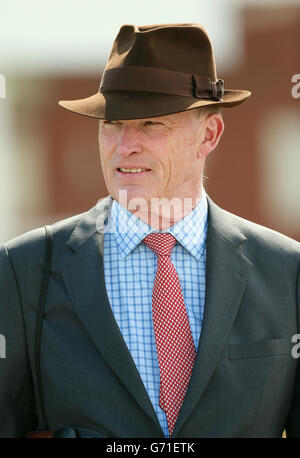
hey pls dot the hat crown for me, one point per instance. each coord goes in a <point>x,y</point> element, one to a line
<point>157,70</point>
<point>182,48</point>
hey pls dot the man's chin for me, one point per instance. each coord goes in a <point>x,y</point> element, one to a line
<point>132,198</point>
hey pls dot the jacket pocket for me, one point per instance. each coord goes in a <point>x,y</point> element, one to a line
<point>260,349</point>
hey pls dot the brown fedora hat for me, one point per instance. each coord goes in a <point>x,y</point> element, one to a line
<point>155,70</point>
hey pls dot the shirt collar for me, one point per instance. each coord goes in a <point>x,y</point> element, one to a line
<point>129,231</point>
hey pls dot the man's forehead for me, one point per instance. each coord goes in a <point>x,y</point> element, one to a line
<point>172,117</point>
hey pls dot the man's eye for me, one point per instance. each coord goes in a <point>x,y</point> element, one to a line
<point>108,123</point>
<point>153,123</point>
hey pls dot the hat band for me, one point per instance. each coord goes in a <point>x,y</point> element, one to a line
<point>150,79</point>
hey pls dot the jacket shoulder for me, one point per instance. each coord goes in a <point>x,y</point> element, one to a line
<point>254,235</point>
<point>29,247</point>
<point>31,241</point>
<point>263,237</point>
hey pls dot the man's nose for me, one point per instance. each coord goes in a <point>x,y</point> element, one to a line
<point>128,141</point>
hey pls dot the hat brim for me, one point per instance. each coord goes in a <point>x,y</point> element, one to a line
<point>137,105</point>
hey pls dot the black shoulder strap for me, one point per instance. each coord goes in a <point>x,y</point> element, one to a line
<point>40,315</point>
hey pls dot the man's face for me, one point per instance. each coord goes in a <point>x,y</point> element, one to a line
<point>153,157</point>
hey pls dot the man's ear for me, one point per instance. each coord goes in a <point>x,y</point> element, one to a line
<point>213,127</point>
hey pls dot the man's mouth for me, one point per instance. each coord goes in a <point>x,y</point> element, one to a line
<point>133,170</point>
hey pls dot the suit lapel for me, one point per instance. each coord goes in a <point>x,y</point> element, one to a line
<point>83,275</point>
<point>227,272</point>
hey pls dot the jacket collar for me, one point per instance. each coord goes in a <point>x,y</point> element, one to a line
<point>94,222</point>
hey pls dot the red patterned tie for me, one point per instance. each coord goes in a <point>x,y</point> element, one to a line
<point>174,343</point>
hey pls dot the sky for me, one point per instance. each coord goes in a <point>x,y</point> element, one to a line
<point>53,36</point>
<point>74,35</point>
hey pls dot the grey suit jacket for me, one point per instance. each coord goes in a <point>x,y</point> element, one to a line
<point>245,381</point>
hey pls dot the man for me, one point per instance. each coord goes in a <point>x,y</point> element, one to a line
<point>165,315</point>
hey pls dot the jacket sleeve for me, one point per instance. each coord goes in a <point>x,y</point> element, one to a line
<point>16,387</point>
<point>293,420</point>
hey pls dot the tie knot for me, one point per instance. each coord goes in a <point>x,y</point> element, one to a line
<point>161,244</point>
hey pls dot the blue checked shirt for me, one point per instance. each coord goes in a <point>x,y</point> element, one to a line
<point>129,269</point>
